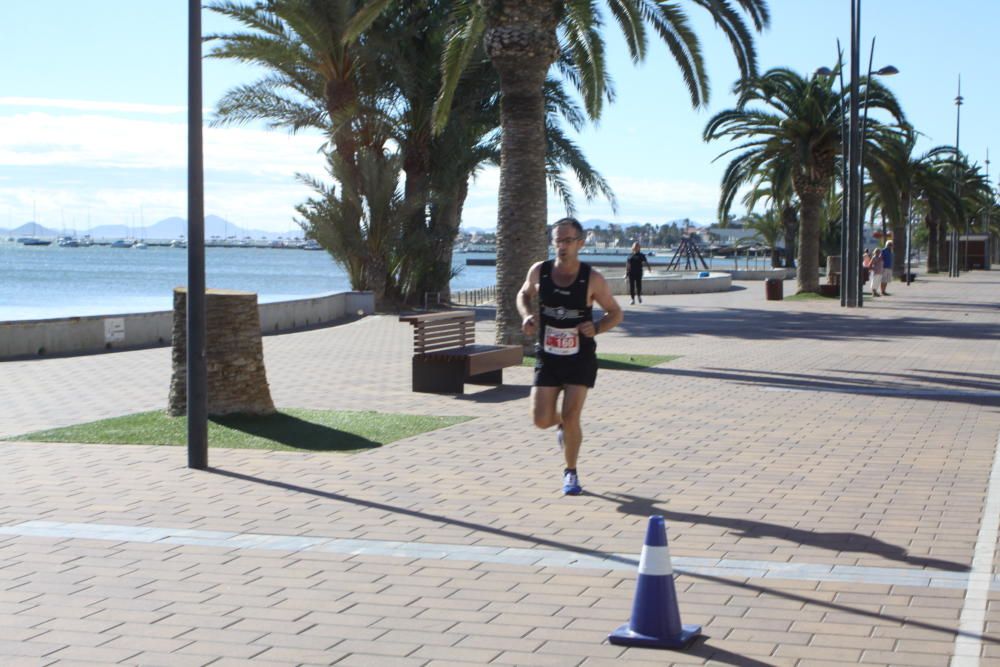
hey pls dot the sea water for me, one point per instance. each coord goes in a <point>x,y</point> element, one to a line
<point>38,282</point>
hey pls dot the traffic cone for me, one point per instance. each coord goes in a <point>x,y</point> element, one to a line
<point>656,620</point>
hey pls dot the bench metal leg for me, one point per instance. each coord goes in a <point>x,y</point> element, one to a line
<point>492,378</point>
<point>438,377</point>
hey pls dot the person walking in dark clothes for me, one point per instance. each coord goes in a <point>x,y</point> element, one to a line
<point>633,271</point>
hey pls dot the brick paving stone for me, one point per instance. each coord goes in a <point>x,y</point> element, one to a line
<point>369,659</point>
<point>97,655</point>
<point>748,444</point>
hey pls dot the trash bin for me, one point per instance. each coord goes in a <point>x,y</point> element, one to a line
<point>773,288</point>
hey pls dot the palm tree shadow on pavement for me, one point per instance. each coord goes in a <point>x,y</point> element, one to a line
<point>297,433</point>
<point>719,655</point>
<point>837,541</point>
<point>773,325</point>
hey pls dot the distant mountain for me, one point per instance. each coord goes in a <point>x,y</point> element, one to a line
<point>604,224</point>
<point>168,228</point>
<point>30,229</point>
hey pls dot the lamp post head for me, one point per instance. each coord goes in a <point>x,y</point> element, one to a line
<point>823,71</point>
<point>888,70</point>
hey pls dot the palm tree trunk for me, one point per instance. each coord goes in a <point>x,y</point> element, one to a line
<point>933,263</point>
<point>521,42</point>
<point>811,200</point>
<point>449,221</point>
<point>789,220</point>
<point>944,257</point>
<point>899,247</point>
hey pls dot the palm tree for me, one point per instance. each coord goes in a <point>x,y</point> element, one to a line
<point>371,250</point>
<point>906,182</point>
<point>524,39</point>
<point>369,78</point>
<point>975,194</point>
<point>768,229</point>
<point>796,127</point>
<point>775,185</point>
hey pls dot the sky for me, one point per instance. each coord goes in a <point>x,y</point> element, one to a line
<point>93,97</point>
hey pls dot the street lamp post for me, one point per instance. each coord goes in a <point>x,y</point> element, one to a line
<point>909,236</point>
<point>987,254</point>
<point>826,71</point>
<point>197,383</point>
<point>852,237</point>
<point>953,254</point>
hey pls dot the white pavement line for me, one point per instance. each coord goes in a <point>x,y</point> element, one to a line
<point>972,622</point>
<point>902,392</point>
<point>727,568</point>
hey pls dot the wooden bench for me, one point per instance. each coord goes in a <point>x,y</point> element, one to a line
<point>445,355</point>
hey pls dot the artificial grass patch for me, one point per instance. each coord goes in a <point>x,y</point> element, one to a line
<point>810,296</point>
<point>287,430</point>
<point>621,362</point>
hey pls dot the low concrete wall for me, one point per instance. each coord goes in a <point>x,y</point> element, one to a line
<point>676,283</point>
<point>286,315</point>
<point>79,335</point>
<point>762,274</point>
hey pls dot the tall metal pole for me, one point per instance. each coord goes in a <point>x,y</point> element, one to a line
<point>953,254</point>
<point>197,392</point>
<point>844,199</point>
<point>861,162</point>
<point>854,287</point>
<point>987,249</point>
<point>909,234</point>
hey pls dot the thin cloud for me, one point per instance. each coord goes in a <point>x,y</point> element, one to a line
<point>96,141</point>
<point>89,105</point>
<point>639,200</point>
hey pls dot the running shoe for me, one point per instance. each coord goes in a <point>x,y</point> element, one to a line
<point>571,484</point>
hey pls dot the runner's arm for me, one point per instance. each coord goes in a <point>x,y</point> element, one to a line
<point>613,314</point>
<point>525,300</point>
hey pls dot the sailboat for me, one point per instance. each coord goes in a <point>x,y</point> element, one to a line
<point>141,243</point>
<point>33,240</point>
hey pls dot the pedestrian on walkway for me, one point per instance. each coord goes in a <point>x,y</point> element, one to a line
<point>633,271</point>
<point>876,269</point>
<point>565,352</point>
<point>886,266</point>
<point>866,266</point>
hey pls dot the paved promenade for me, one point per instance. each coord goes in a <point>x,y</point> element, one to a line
<point>830,480</point>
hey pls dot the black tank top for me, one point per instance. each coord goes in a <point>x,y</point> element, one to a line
<point>564,308</point>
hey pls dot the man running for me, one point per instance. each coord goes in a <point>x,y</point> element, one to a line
<point>566,352</point>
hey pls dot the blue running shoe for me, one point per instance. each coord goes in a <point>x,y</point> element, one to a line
<point>571,484</point>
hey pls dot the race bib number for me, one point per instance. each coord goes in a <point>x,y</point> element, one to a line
<point>562,342</point>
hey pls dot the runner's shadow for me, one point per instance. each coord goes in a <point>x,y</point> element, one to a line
<point>840,541</point>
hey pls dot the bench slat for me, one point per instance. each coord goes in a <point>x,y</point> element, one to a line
<point>457,315</point>
<point>440,335</point>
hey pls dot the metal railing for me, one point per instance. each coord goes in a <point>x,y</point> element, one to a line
<point>474,297</point>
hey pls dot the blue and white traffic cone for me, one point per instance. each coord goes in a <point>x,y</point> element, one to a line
<point>656,619</point>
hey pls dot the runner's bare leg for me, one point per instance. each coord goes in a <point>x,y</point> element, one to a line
<point>572,407</point>
<point>543,406</point>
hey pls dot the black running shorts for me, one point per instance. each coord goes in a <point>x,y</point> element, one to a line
<point>561,372</point>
